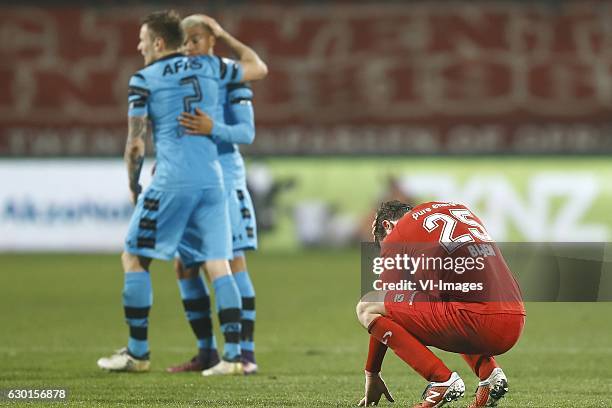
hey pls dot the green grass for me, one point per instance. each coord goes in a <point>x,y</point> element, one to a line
<point>59,313</point>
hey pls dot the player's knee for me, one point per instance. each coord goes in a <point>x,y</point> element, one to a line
<point>217,268</point>
<point>362,313</point>
<point>368,311</point>
<point>358,311</point>
<point>186,272</point>
<point>179,268</point>
<point>130,262</point>
<point>238,264</point>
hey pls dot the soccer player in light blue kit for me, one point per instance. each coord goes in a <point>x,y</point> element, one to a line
<point>187,189</point>
<point>237,127</point>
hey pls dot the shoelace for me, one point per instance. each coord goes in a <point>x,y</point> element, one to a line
<point>424,395</point>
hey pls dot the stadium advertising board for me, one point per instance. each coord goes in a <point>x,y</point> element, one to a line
<point>64,205</point>
<point>84,205</point>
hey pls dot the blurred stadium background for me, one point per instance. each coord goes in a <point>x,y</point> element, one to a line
<point>503,105</point>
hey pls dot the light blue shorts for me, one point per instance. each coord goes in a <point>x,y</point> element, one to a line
<point>195,223</point>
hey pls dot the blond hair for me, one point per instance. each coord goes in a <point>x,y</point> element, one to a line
<point>195,20</point>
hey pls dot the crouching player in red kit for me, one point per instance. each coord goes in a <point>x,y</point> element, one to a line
<point>476,312</point>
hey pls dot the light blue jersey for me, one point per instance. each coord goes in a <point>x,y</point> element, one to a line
<point>238,127</point>
<point>163,90</point>
<point>185,207</point>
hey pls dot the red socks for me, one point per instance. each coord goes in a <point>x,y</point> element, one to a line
<point>482,366</point>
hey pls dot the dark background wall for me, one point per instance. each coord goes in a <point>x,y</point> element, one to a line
<point>345,77</point>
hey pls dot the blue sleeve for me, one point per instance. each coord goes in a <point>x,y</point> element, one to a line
<point>230,71</point>
<point>138,96</point>
<point>241,130</point>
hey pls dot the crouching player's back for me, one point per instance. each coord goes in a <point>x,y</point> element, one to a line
<point>462,299</point>
<point>456,259</point>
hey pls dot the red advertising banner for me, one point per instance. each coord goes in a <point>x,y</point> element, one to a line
<point>450,77</point>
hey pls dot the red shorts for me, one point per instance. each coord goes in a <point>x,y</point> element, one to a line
<point>445,326</point>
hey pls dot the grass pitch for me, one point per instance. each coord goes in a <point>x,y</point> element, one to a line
<point>60,313</point>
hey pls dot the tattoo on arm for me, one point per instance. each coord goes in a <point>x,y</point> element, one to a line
<point>135,167</point>
<point>135,149</point>
<point>137,128</point>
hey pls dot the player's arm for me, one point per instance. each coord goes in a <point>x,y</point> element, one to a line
<point>138,96</point>
<point>135,151</point>
<point>376,355</point>
<point>375,386</point>
<point>253,67</point>
<point>241,109</point>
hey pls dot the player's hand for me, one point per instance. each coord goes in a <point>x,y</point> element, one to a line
<point>215,27</point>
<point>375,388</point>
<point>198,124</point>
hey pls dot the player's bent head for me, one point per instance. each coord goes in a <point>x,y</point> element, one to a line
<point>388,213</point>
<point>164,28</point>
<point>198,38</point>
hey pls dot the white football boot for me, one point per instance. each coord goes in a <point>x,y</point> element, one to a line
<point>437,394</point>
<point>249,367</point>
<point>224,368</point>
<point>491,390</point>
<point>123,361</point>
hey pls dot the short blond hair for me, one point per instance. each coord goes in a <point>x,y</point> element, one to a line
<point>195,20</point>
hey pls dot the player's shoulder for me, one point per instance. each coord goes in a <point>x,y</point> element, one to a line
<point>138,78</point>
<point>175,64</point>
<point>228,68</point>
<point>417,214</point>
<point>228,62</point>
<point>239,87</point>
<point>159,65</point>
<point>437,207</point>
<point>138,90</point>
<point>204,59</point>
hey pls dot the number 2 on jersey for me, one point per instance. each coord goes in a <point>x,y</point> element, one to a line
<point>194,98</point>
<point>447,240</point>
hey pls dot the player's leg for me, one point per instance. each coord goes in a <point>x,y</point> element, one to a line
<point>496,335</point>
<point>493,383</point>
<point>377,317</point>
<point>196,302</point>
<point>373,317</point>
<point>154,232</point>
<point>137,300</point>
<point>193,249</point>
<point>247,319</point>
<point>215,250</point>
<point>244,237</point>
<point>228,305</point>
<point>480,364</point>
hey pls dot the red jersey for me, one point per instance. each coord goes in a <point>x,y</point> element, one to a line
<point>453,258</point>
